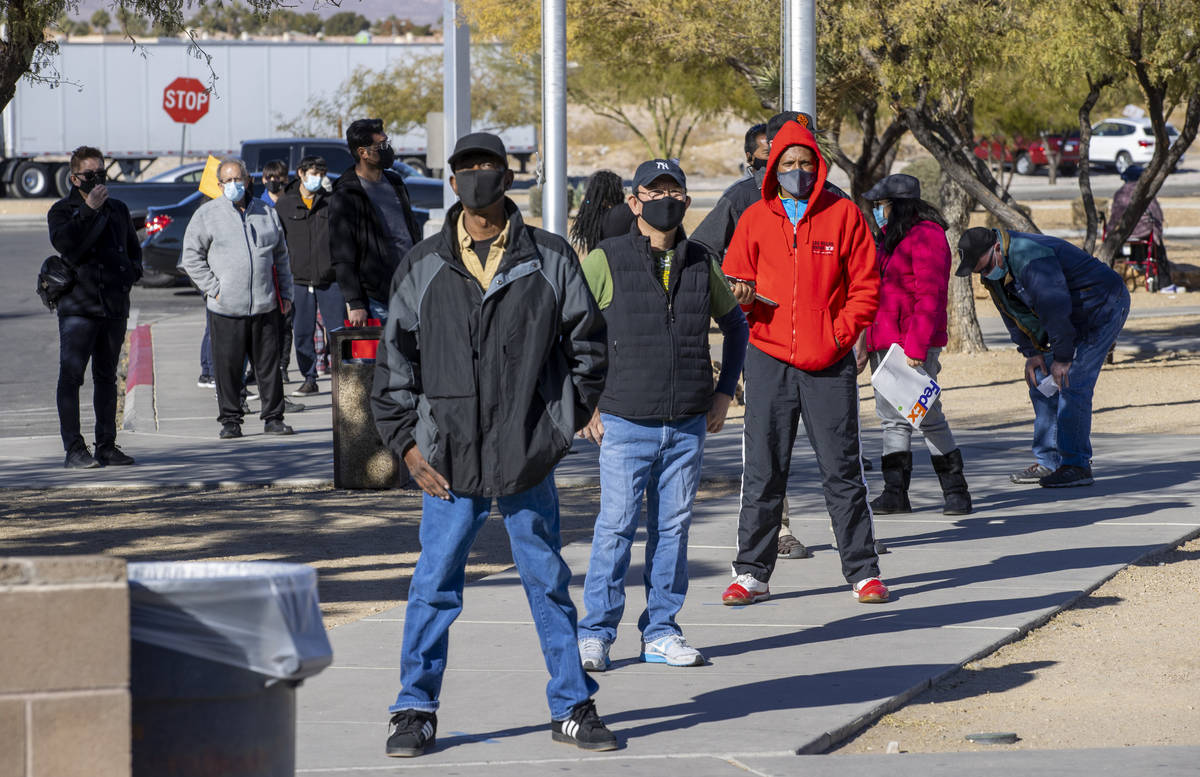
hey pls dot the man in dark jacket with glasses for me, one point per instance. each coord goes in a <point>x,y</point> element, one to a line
<point>371,222</point>
<point>95,236</point>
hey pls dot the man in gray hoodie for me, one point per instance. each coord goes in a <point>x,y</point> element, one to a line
<point>234,251</point>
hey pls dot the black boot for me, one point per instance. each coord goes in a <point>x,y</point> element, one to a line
<point>949,469</point>
<point>897,472</point>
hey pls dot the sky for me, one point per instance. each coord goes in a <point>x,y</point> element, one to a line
<point>419,11</point>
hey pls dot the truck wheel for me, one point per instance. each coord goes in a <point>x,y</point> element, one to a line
<point>31,180</point>
<point>1023,165</point>
<point>418,164</point>
<point>1123,162</point>
<point>62,179</point>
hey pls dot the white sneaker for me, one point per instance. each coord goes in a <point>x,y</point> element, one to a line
<point>672,650</point>
<point>1172,289</point>
<point>745,589</point>
<point>593,654</point>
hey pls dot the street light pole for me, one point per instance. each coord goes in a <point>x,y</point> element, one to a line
<point>456,93</point>
<point>554,116</point>
<point>798,69</point>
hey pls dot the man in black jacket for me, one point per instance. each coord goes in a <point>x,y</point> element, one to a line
<point>95,236</point>
<point>303,209</point>
<point>371,222</point>
<point>493,356</point>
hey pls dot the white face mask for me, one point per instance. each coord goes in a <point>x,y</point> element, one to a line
<point>234,190</point>
<point>312,182</point>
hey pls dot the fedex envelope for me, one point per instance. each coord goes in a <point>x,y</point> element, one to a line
<point>908,390</point>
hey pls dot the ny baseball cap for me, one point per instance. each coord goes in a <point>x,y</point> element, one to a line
<point>654,168</point>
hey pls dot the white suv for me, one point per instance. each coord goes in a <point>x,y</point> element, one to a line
<point>1124,142</point>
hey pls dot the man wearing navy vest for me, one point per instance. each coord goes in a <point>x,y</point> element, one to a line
<point>658,291</point>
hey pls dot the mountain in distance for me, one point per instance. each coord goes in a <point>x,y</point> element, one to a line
<point>417,11</point>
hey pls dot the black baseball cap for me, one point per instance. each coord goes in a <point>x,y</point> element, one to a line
<point>899,186</point>
<point>776,122</point>
<point>478,142</point>
<point>655,168</point>
<point>972,245</point>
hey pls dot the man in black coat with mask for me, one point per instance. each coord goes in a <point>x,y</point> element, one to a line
<point>492,357</point>
<point>371,223</point>
<point>95,236</point>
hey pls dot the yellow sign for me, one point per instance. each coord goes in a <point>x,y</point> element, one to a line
<point>209,184</point>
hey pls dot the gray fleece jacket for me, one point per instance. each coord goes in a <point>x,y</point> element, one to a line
<point>230,254</point>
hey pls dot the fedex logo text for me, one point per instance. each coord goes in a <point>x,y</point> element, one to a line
<point>927,398</point>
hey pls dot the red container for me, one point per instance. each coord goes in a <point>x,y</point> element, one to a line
<point>365,349</point>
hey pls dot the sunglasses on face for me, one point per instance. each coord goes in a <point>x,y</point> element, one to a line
<point>92,175</point>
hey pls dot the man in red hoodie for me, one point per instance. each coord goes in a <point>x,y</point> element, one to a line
<point>802,262</point>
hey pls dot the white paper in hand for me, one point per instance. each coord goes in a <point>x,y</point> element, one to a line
<point>909,390</point>
<point>1047,386</point>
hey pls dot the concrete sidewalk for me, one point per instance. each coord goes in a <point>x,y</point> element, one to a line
<point>793,674</point>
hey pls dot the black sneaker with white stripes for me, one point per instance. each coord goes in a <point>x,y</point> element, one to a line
<point>410,733</point>
<point>584,729</point>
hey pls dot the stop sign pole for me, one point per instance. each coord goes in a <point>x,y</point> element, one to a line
<point>186,101</point>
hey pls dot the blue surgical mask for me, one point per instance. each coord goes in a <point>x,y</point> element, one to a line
<point>234,190</point>
<point>998,273</point>
<point>880,219</point>
<point>312,182</point>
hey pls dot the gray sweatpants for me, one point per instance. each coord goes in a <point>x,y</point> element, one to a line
<point>897,431</point>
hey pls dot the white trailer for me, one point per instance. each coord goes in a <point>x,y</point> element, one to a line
<point>112,98</point>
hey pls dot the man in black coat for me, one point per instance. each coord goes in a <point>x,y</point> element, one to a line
<point>371,222</point>
<point>303,210</point>
<point>96,237</point>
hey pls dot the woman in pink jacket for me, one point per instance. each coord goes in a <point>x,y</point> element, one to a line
<point>914,267</point>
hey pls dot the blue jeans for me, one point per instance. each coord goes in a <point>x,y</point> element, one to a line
<point>306,300</point>
<point>1062,424</point>
<point>448,530</point>
<point>660,461</point>
<point>377,309</point>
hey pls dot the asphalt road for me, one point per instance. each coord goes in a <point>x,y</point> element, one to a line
<point>29,349</point>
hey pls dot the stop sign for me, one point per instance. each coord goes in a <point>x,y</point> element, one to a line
<point>185,100</point>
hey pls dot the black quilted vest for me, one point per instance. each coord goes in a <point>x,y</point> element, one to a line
<point>659,367</point>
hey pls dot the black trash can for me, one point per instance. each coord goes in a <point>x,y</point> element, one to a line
<point>217,651</point>
<point>360,459</point>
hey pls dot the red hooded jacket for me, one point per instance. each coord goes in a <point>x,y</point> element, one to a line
<point>821,271</point>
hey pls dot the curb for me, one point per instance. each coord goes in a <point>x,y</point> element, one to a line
<point>139,383</point>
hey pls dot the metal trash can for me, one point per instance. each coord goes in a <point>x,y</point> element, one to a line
<point>360,459</point>
<point>217,650</point>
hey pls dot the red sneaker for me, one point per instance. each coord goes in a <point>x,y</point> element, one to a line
<point>870,591</point>
<point>745,590</point>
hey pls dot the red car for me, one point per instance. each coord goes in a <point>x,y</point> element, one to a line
<point>1027,156</point>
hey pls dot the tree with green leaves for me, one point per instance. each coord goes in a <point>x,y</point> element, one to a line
<point>346,24</point>
<point>503,94</point>
<point>101,20</point>
<point>688,64</point>
<point>285,20</point>
<point>1151,45</point>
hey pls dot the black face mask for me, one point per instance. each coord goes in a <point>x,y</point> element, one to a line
<point>665,214</point>
<point>757,164</point>
<point>798,183</point>
<point>274,187</point>
<point>479,188</point>
<point>387,156</point>
<point>86,184</point>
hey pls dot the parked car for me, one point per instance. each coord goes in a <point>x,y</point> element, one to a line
<point>165,226</point>
<point>1123,142</point>
<point>1027,156</point>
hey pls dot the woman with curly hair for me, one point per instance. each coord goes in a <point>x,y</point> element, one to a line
<point>603,212</point>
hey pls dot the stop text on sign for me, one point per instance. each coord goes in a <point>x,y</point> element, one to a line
<point>185,100</point>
